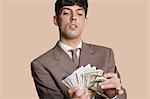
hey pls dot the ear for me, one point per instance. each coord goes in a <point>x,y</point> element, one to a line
<point>86,20</point>
<point>55,20</point>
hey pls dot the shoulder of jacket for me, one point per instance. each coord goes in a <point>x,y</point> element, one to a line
<point>98,47</point>
<point>45,56</point>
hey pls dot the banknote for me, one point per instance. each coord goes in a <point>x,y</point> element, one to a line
<point>85,76</point>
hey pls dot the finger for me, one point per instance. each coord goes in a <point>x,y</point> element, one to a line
<point>107,86</point>
<point>110,84</point>
<point>120,90</point>
<point>85,97</point>
<point>81,91</point>
<point>72,90</point>
<point>111,80</point>
<point>110,75</point>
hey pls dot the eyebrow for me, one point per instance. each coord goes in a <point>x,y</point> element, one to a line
<point>70,9</point>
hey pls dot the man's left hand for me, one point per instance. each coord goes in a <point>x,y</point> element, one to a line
<point>112,82</point>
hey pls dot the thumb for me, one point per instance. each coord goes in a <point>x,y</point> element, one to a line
<point>81,91</point>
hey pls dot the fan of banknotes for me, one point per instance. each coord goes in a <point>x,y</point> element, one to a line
<point>85,76</point>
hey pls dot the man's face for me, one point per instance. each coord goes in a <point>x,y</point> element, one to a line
<point>71,21</point>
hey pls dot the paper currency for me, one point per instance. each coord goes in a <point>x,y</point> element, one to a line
<point>85,76</point>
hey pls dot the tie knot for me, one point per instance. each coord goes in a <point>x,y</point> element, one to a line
<point>74,50</point>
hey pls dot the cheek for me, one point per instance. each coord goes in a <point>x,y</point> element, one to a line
<point>63,22</point>
<point>81,23</point>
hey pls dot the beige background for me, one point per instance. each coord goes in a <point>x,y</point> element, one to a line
<point>27,31</point>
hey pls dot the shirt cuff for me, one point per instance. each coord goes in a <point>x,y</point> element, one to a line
<point>115,97</point>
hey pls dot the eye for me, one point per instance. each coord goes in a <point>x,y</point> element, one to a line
<point>80,14</point>
<point>65,13</point>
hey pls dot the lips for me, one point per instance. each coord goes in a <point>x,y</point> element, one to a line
<point>73,26</point>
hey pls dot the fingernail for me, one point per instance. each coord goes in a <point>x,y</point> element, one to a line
<point>102,86</point>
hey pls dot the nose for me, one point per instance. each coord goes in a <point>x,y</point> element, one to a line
<point>73,17</point>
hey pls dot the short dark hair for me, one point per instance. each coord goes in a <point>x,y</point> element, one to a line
<point>60,3</point>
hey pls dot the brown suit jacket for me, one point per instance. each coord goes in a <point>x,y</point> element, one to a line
<point>49,69</point>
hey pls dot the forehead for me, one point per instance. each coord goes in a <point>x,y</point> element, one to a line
<point>74,7</point>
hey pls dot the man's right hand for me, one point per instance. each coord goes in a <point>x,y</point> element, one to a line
<point>79,93</point>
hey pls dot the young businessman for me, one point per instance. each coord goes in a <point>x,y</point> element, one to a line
<point>51,68</point>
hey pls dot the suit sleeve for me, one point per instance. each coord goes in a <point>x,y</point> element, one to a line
<point>111,67</point>
<point>45,84</point>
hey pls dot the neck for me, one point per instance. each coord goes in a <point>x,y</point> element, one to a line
<point>71,42</point>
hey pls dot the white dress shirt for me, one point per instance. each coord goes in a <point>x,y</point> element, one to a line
<point>67,48</point>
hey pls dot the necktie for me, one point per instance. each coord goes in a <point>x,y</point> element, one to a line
<point>75,58</point>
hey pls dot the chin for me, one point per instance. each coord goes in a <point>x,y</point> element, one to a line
<point>73,36</point>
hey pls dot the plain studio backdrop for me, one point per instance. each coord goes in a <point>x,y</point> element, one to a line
<point>27,31</point>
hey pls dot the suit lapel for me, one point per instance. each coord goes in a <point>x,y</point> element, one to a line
<point>63,60</point>
<point>85,55</point>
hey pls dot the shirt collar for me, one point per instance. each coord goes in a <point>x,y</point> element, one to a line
<point>66,47</point>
